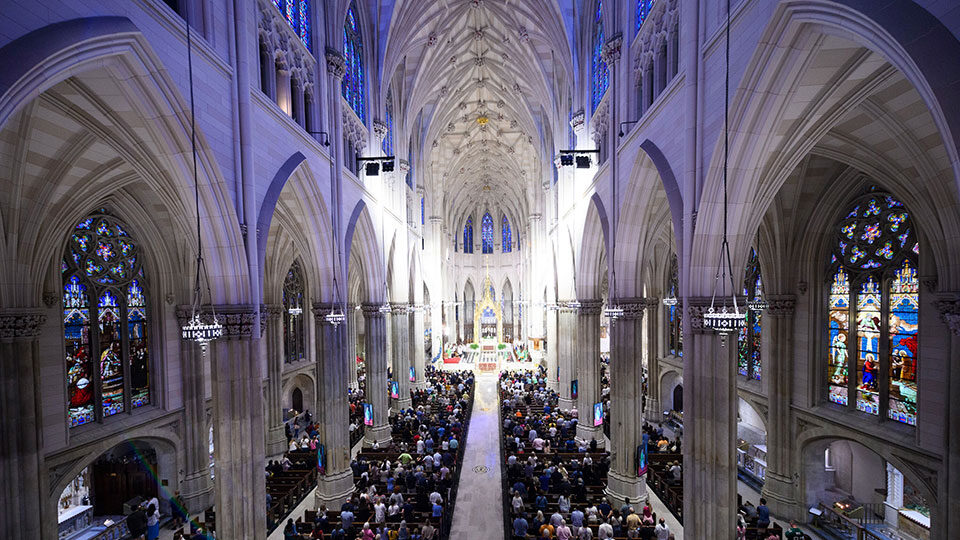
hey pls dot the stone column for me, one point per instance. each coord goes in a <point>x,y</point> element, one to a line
<point>565,345</point>
<point>352,345</point>
<point>949,524</point>
<point>709,429</point>
<point>376,347</point>
<point>626,402</point>
<point>779,487</point>
<point>653,411</point>
<point>400,330</point>
<point>333,408</point>
<point>276,437</point>
<point>417,351</point>
<point>21,482</point>
<point>238,426</point>
<point>587,351</point>
<point>196,487</point>
<point>550,333</point>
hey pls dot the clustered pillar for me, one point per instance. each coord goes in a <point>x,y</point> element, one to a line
<point>400,332</point>
<point>709,429</point>
<point>626,403</point>
<point>20,479</point>
<point>566,353</point>
<point>587,359</point>
<point>779,488</point>
<point>238,425</point>
<point>336,483</point>
<point>417,349</point>
<point>276,436</point>
<point>376,395</point>
<point>196,487</point>
<point>653,410</point>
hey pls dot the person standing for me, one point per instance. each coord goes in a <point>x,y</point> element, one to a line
<point>137,523</point>
<point>661,530</point>
<point>763,516</point>
<point>153,522</point>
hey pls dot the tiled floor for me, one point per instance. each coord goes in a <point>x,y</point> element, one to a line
<point>479,497</point>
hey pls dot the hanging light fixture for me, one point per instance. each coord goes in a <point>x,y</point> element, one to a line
<point>671,298</point>
<point>196,329</point>
<point>725,320</point>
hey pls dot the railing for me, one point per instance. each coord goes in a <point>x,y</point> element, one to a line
<point>117,531</point>
<point>835,522</point>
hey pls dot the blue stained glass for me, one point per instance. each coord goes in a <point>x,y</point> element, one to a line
<point>304,30</point>
<point>422,217</point>
<point>352,87</point>
<point>468,236</point>
<point>643,10</point>
<point>486,233</point>
<point>388,138</point>
<point>507,235</point>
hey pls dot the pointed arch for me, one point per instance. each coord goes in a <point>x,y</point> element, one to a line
<point>363,248</point>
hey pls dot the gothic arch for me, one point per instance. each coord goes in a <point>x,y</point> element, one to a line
<point>594,246</point>
<point>363,251</point>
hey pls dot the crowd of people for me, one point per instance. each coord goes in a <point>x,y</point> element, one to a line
<point>404,490</point>
<point>554,483</point>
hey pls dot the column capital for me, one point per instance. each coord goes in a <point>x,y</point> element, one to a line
<point>578,121</point>
<point>534,218</point>
<point>697,306</point>
<point>379,129</point>
<point>371,311</point>
<point>590,307</point>
<point>271,312</point>
<point>611,49</point>
<point>336,65</point>
<point>781,305</point>
<point>950,314</point>
<point>397,308</point>
<point>16,325</point>
<point>632,307</point>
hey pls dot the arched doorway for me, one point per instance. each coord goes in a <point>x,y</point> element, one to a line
<point>678,398</point>
<point>131,472</point>
<point>297,399</point>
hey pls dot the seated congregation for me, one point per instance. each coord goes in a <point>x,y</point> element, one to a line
<point>406,490</point>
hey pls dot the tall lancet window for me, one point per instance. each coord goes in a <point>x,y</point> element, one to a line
<point>601,75</point>
<point>507,235</point>
<point>105,321</point>
<point>293,333</point>
<point>486,233</point>
<point>748,340</point>
<point>674,312</point>
<point>643,9</point>
<point>388,138</point>
<point>468,236</point>
<point>297,14</point>
<point>354,78</point>
<point>872,310</point>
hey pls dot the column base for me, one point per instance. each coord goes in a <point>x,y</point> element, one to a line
<point>276,442</point>
<point>403,404</point>
<point>779,492</point>
<point>553,385</point>
<point>565,404</point>
<point>197,491</point>
<point>586,433</point>
<point>622,488</point>
<point>377,434</point>
<point>334,489</point>
<point>652,411</point>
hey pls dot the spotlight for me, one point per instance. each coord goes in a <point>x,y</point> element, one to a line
<point>583,162</point>
<point>566,160</point>
<point>388,166</point>
<point>373,168</point>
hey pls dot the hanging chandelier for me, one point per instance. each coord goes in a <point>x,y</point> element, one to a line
<point>725,319</point>
<point>196,329</point>
<point>757,304</point>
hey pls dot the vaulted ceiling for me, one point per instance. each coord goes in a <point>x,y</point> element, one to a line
<point>483,85</point>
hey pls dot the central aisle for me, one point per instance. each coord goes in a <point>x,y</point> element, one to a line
<point>479,499</point>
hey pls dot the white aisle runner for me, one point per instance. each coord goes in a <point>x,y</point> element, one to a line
<point>479,497</point>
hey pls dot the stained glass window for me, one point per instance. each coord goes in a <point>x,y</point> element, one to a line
<point>468,236</point>
<point>102,262</point>
<point>748,339</point>
<point>293,332</point>
<point>874,283</point>
<point>352,86</point>
<point>507,235</point>
<point>601,75</point>
<point>674,312</point>
<point>904,302</point>
<point>643,9</point>
<point>297,15</point>
<point>388,138</point>
<point>486,233</point>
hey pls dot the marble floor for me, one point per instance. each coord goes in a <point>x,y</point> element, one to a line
<point>479,497</point>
